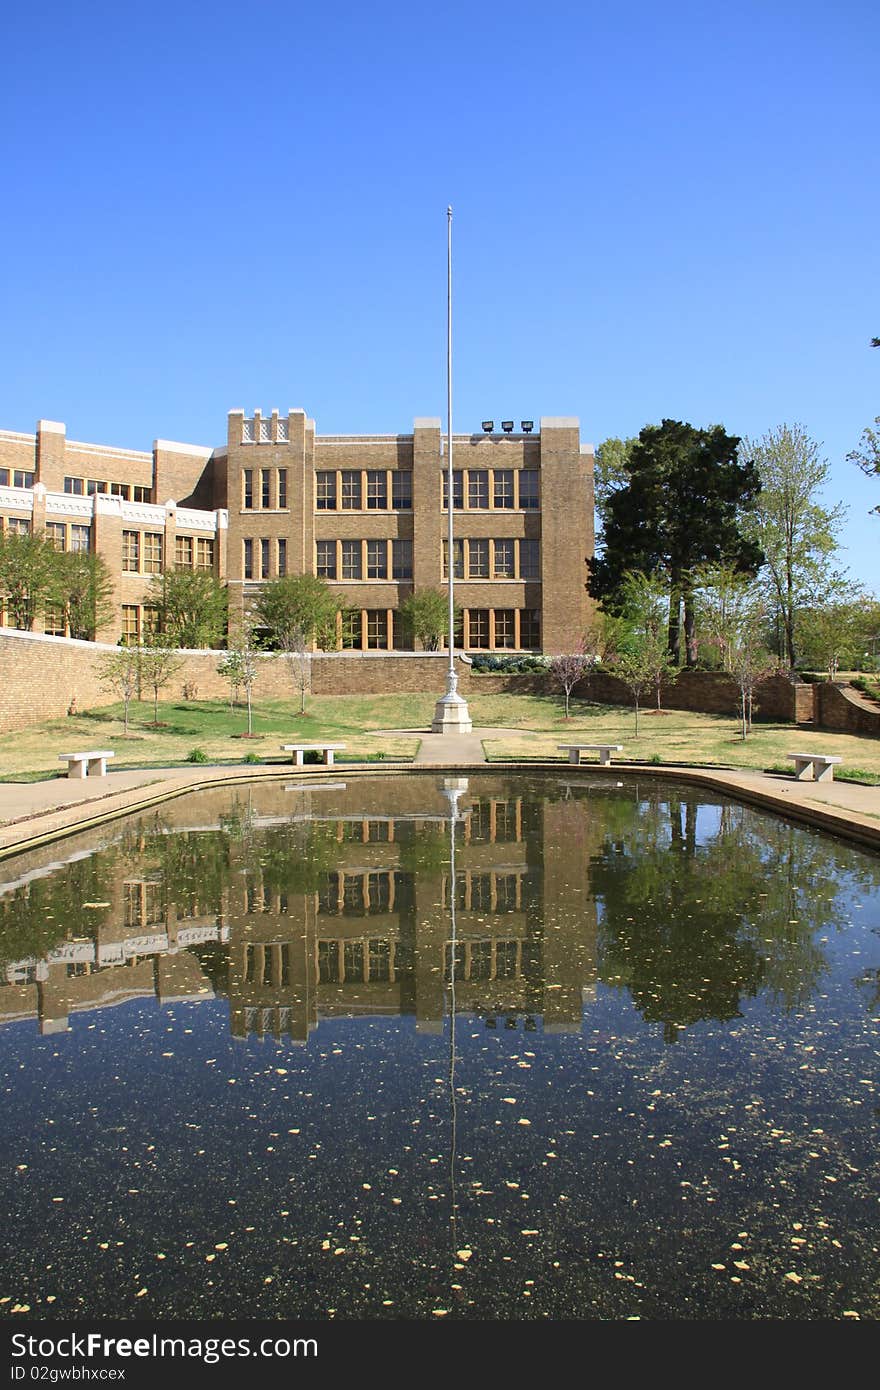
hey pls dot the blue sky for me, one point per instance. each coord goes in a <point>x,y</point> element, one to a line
<point>659,210</point>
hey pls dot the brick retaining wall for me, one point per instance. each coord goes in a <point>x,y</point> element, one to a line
<point>40,676</point>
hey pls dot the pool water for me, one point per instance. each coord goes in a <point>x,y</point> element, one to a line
<point>423,1048</point>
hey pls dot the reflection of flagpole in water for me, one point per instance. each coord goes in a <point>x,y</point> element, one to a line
<point>453,787</point>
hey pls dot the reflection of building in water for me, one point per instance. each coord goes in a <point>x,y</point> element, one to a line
<point>344,914</point>
<point>136,941</point>
<point>373,938</point>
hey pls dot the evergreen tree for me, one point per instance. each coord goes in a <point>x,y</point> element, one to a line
<point>680,509</point>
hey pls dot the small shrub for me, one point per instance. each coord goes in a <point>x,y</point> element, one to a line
<point>252,758</point>
<point>197,755</point>
<point>655,758</point>
<point>190,690</point>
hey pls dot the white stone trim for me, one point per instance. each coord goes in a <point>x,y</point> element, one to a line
<point>15,437</point>
<point>169,446</point>
<point>51,427</point>
<point>16,499</point>
<point>66,504</point>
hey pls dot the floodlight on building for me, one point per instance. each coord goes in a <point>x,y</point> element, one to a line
<point>507,426</point>
<point>527,426</point>
<point>488,426</point>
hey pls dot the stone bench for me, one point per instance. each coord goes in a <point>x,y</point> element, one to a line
<point>814,767</point>
<point>92,764</point>
<point>298,751</point>
<point>604,750</point>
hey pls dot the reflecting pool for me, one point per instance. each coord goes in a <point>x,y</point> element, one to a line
<point>422,1047</point>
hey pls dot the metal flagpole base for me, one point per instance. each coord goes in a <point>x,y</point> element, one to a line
<point>451,714</point>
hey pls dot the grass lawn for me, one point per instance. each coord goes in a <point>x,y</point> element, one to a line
<point>530,727</point>
<point>209,725</point>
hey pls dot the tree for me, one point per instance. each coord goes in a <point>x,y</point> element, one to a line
<point>796,534</point>
<point>732,615</point>
<point>119,672</point>
<point>611,471</point>
<point>192,607</point>
<point>298,611</point>
<point>680,509</point>
<point>160,662</point>
<point>83,588</point>
<point>636,666</point>
<point>566,670</point>
<point>239,666</point>
<point>425,617</point>
<point>28,568</point>
<point>832,624</point>
<point>645,621</point>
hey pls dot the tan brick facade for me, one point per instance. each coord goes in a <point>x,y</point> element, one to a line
<point>368,513</point>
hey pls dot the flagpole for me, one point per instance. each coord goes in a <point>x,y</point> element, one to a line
<point>451,715</point>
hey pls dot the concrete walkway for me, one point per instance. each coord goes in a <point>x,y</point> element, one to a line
<point>33,812</point>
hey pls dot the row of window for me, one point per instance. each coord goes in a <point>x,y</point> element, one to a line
<point>16,477</point>
<point>257,558</point>
<point>489,629</point>
<point>87,487</point>
<point>264,487</point>
<point>357,490</point>
<point>474,489</point>
<point>143,552</point>
<point>356,559</point>
<point>74,538</point>
<point>139,620</point>
<point>505,558</point>
<point>498,489</point>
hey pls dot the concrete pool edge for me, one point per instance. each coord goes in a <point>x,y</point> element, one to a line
<point>838,807</point>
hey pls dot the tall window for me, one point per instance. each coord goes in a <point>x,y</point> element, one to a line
<point>247,481</point>
<point>80,538</point>
<point>401,559</point>
<point>504,559</point>
<point>56,532</point>
<point>457,490</point>
<point>130,622</point>
<point>325,491</point>
<point>505,635</point>
<point>478,488</point>
<point>17,526</point>
<point>351,490</point>
<point>351,560</point>
<point>401,491</point>
<point>377,490</point>
<point>478,559</point>
<point>75,487</point>
<point>22,477</point>
<point>326,559</point>
<point>131,541</point>
<point>248,547</point>
<point>478,627</point>
<point>351,629</point>
<point>265,488</point>
<point>121,490</point>
<point>457,559</point>
<point>282,557</point>
<point>503,488</point>
<point>377,629</point>
<point>264,558</point>
<point>377,559</point>
<point>53,619</point>
<point>141,494</point>
<point>183,552</point>
<point>152,552</point>
<point>282,488</point>
<point>94,485</point>
<point>204,554</point>
<point>528,489</point>
<point>529,560</point>
<point>530,628</point>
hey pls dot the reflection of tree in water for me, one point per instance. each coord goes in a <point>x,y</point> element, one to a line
<point>692,927</point>
<point>38,916</point>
